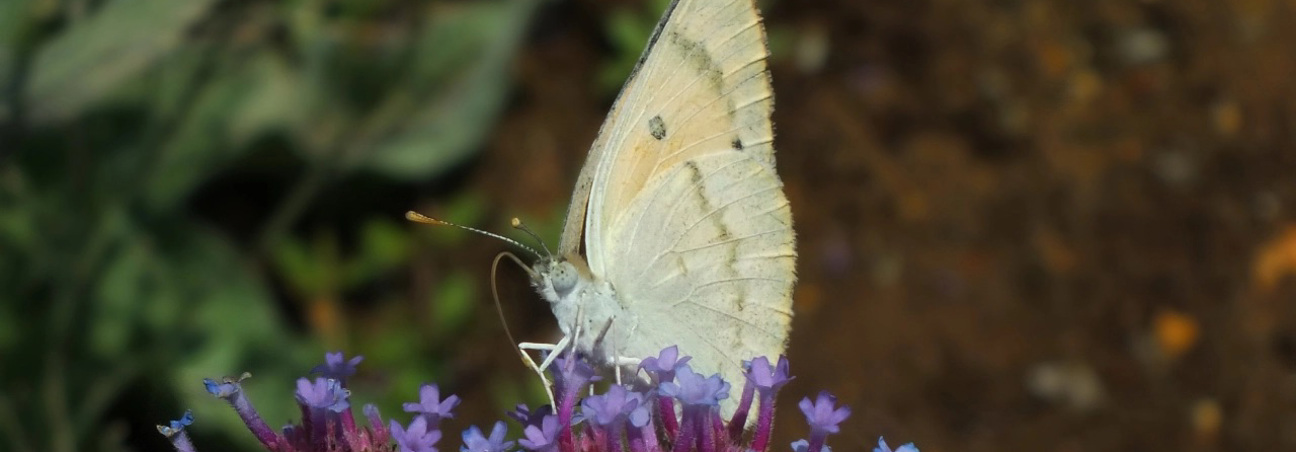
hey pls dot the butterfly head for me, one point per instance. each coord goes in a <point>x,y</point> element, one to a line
<point>557,278</point>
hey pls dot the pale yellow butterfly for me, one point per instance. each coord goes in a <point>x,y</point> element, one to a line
<point>687,233</point>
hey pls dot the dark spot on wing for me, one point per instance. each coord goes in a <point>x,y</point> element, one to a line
<point>737,144</point>
<point>700,59</point>
<point>731,253</point>
<point>695,176</point>
<point>657,127</point>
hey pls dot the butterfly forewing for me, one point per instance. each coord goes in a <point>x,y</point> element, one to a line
<point>701,87</point>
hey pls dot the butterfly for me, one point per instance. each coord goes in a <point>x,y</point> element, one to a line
<point>678,232</point>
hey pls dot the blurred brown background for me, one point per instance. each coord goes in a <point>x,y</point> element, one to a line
<point>1023,225</point>
<point>1049,225</point>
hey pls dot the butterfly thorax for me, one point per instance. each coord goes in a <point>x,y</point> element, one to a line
<point>579,298</point>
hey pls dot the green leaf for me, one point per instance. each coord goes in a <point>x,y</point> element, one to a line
<point>244,99</point>
<point>628,30</point>
<point>384,246</point>
<point>127,287</point>
<point>17,20</point>
<point>9,327</point>
<point>453,96</point>
<point>452,303</point>
<point>95,55</point>
<point>304,272</point>
<point>275,97</point>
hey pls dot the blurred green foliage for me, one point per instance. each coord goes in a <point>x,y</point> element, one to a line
<point>114,114</point>
<point>628,30</point>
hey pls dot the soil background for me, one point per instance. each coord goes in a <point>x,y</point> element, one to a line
<point>1050,225</point>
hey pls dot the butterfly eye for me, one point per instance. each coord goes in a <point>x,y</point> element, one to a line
<point>564,278</point>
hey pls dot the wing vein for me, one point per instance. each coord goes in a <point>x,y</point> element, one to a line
<point>671,249</point>
<point>730,315</point>
<point>634,234</point>
<point>735,239</point>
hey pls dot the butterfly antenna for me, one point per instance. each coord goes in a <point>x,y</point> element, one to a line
<point>517,224</point>
<point>420,218</point>
<point>499,307</point>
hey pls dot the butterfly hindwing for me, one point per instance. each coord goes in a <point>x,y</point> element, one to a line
<point>706,255</point>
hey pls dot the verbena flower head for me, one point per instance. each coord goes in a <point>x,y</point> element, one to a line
<point>822,413</point>
<point>431,406</point>
<point>692,389</point>
<point>416,438</point>
<point>662,368</point>
<point>678,412</point>
<point>570,374</point>
<point>475,441</point>
<point>323,393</point>
<point>768,378</point>
<point>542,437</point>
<point>617,405</point>
<point>337,367</point>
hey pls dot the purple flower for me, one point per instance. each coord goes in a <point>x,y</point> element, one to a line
<point>417,438</point>
<point>617,404</point>
<point>231,391</point>
<point>662,368</point>
<point>176,433</point>
<point>431,406</point>
<point>177,425</point>
<point>571,373</point>
<point>882,447</point>
<point>528,417</point>
<point>226,388</point>
<point>696,390</point>
<point>474,441</point>
<point>822,415</point>
<point>336,366</point>
<point>768,378</point>
<point>375,418</point>
<point>323,393</point>
<point>802,445</point>
<point>543,437</point>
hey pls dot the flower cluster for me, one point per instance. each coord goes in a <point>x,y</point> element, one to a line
<point>678,412</point>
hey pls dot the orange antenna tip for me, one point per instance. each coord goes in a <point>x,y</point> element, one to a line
<point>420,218</point>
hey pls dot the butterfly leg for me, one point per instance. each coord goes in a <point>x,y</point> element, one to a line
<point>622,361</point>
<point>554,350</point>
<point>618,362</point>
